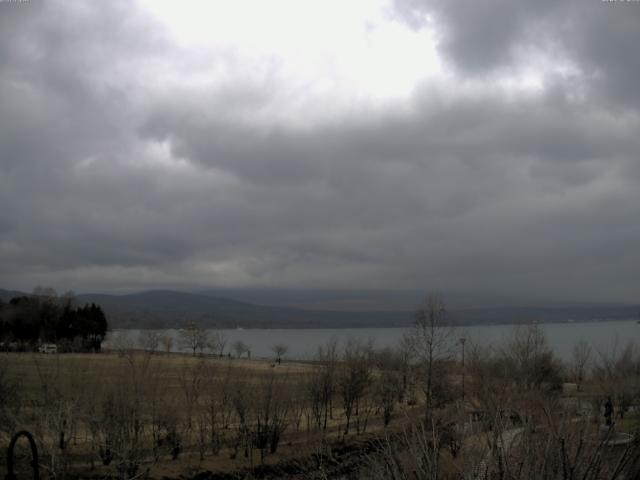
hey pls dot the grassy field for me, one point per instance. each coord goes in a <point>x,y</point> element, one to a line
<point>134,414</point>
<point>80,371</point>
<point>167,394</point>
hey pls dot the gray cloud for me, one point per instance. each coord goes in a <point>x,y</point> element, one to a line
<point>482,37</point>
<point>110,182</point>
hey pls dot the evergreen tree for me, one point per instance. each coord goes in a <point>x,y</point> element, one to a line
<point>41,318</point>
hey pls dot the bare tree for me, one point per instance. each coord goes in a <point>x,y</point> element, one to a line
<point>581,356</point>
<point>321,386</point>
<point>404,357</point>
<point>120,421</point>
<point>618,374</point>
<point>532,361</point>
<point>217,403</point>
<point>315,390</point>
<point>191,381</point>
<point>388,388</point>
<point>431,341</point>
<point>149,340</point>
<point>354,379</point>
<point>166,340</point>
<point>280,350</point>
<point>216,343</point>
<point>299,404</point>
<point>156,400</point>
<point>242,402</point>
<point>559,448</point>
<point>194,337</point>
<point>122,342</point>
<point>240,347</point>
<point>271,407</point>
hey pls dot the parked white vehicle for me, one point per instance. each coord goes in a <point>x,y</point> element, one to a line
<point>48,348</point>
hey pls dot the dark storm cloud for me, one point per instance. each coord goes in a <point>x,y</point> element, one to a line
<point>481,37</point>
<point>107,181</point>
<point>60,108</point>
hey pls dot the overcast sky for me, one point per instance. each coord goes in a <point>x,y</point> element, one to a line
<point>471,146</point>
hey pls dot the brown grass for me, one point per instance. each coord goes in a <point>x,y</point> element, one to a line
<point>85,378</point>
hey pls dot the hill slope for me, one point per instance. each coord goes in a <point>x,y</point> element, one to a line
<point>170,309</point>
<point>162,308</point>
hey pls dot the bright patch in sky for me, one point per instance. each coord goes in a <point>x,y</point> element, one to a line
<point>333,47</point>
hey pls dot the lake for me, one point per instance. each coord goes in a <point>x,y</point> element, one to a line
<point>303,343</point>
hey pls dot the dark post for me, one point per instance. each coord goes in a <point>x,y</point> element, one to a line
<point>608,412</point>
<point>34,455</point>
<point>462,340</point>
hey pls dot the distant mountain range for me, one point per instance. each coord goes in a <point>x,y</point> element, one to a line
<point>169,308</point>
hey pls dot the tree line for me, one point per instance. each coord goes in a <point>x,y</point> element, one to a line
<point>44,317</point>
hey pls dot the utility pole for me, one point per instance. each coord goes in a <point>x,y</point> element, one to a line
<point>462,340</point>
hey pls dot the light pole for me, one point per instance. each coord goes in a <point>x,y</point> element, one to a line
<point>462,340</point>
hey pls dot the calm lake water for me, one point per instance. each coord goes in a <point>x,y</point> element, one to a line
<point>303,343</point>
